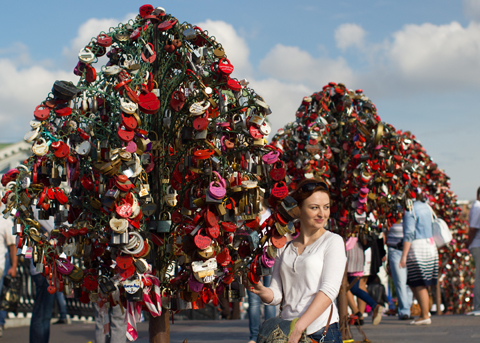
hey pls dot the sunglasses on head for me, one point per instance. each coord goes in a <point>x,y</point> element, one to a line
<point>309,187</point>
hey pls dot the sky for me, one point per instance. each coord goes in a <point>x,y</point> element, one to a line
<point>418,61</point>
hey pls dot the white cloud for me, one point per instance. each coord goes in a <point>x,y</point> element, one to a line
<point>349,35</point>
<point>471,9</point>
<point>21,90</point>
<point>236,47</point>
<point>290,63</point>
<point>442,56</point>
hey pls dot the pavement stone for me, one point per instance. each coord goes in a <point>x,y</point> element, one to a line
<point>444,329</point>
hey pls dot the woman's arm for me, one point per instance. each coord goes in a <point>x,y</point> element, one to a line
<point>265,293</point>
<point>319,304</point>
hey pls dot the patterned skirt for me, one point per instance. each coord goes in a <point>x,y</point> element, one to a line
<point>422,263</point>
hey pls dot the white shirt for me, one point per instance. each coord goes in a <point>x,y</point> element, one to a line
<point>299,278</point>
<point>474,222</point>
<point>6,239</point>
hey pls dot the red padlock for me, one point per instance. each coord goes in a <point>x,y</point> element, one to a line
<point>90,74</point>
<point>225,66</point>
<point>280,190</point>
<point>103,40</point>
<point>129,122</point>
<point>200,123</point>
<point>146,10</point>
<point>177,101</point>
<point>148,102</point>
<point>41,112</point>
<point>63,110</point>
<point>166,25</point>
<point>62,151</point>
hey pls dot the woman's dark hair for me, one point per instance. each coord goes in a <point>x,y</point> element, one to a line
<point>307,187</point>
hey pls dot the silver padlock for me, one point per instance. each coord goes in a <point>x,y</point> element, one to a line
<point>201,135</point>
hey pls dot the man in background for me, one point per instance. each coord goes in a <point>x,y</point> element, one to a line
<point>473,244</point>
<point>8,259</point>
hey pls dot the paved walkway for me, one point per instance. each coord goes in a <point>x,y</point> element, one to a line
<point>444,329</point>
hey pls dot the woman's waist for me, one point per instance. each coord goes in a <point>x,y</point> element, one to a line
<point>319,323</point>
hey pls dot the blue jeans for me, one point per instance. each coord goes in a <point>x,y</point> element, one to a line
<point>360,293</point>
<point>333,334</point>
<point>42,311</point>
<point>399,276</point>
<point>62,305</point>
<point>3,314</point>
<point>254,310</point>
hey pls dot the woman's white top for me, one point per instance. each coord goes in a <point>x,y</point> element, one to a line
<point>298,278</point>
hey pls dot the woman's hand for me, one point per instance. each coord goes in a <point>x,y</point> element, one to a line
<point>295,336</point>
<point>254,288</point>
<point>403,262</point>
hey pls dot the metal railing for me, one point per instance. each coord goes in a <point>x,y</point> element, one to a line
<point>76,308</point>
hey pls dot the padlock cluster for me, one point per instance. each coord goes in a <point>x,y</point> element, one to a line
<point>339,137</point>
<point>455,274</point>
<point>153,168</point>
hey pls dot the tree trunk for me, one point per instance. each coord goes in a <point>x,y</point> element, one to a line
<point>159,328</point>
<point>343,309</point>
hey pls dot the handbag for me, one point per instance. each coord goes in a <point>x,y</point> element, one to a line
<point>441,233</point>
<point>277,330</point>
<point>10,296</point>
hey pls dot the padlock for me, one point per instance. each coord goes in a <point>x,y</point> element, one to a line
<point>165,222</point>
<point>170,197</point>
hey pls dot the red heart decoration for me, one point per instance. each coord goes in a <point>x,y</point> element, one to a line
<point>146,10</point>
<point>177,101</point>
<point>200,123</point>
<point>52,289</point>
<point>255,133</point>
<point>103,40</point>
<point>62,151</point>
<point>129,122</point>
<point>211,218</point>
<point>63,111</point>
<point>166,25</point>
<point>148,103</point>
<point>202,242</point>
<point>60,196</point>
<point>91,74</point>
<point>278,174</point>
<point>124,261</point>
<point>41,112</point>
<point>224,257</point>
<point>280,190</point>
<point>90,282</point>
<point>213,231</point>
<point>225,66</point>
<point>234,85</point>
<point>229,227</point>
<point>125,135</point>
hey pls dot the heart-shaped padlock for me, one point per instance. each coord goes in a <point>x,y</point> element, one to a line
<point>62,150</point>
<point>271,157</point>
<point>278,173</point>
<point>177,101</point>
<point>148,53</point>
<point>213,231</point>
<point>201,241</point>
<point>64,266</point>
<point>280,190</point>
<point>166,25</point>
<point>103,40</point>
<point>200,124</point>
<point>63,110</point>
<point>41,112</point>
<point>126,135</point>
<point>148,102</point>
<point>225,66</point>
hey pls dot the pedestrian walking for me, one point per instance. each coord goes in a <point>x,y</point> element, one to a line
<point>420,255</point>
<point>62,308</point>
<point>306,278</point>
<point>253,299</point>
<point>399,275</point>
<point>473,244</point>
<point>8,259</point>
<point>355,269</point>
<point>43,305</point>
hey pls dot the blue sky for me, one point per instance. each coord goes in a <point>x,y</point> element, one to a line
<point>419,61</point>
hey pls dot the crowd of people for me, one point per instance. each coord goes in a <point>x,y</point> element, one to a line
<point>305,282</point>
